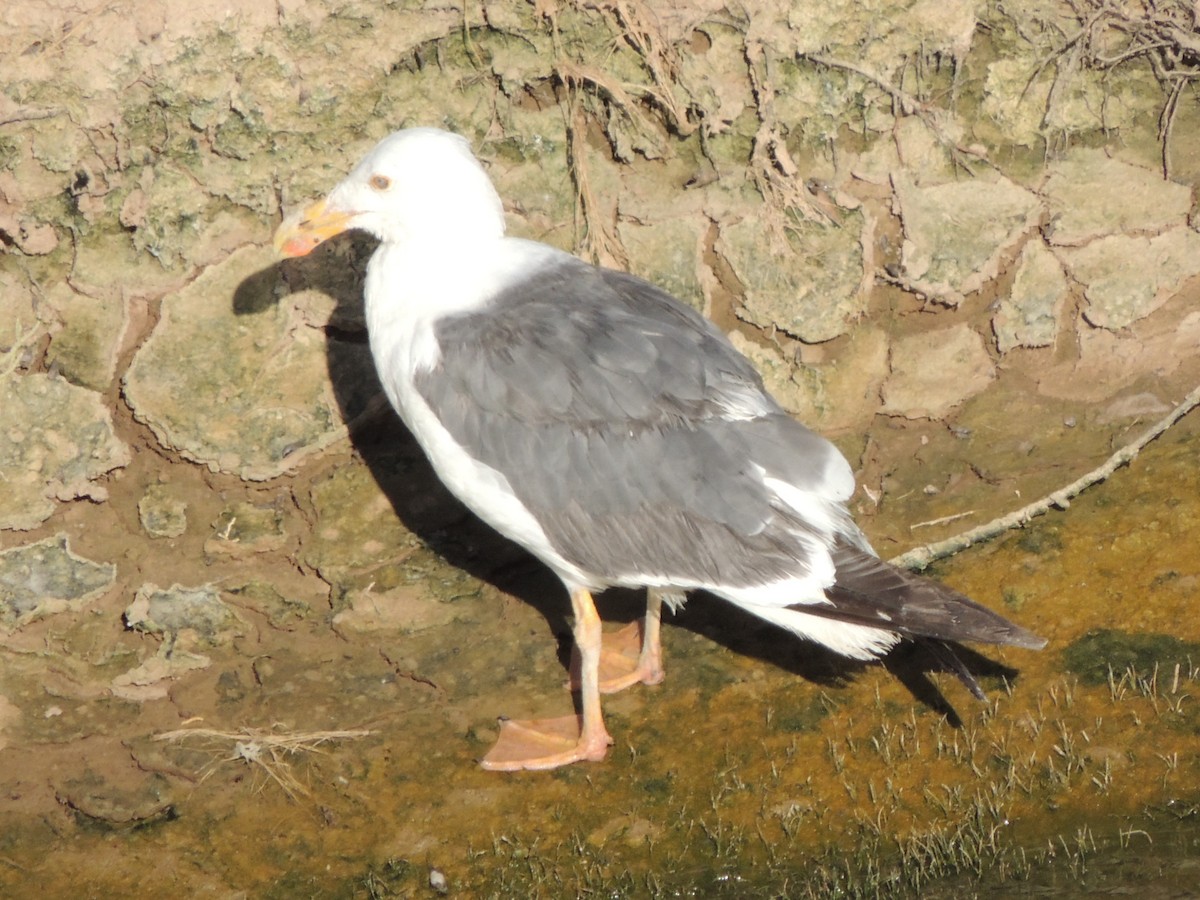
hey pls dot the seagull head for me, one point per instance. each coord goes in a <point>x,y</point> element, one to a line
<point>416,184</point>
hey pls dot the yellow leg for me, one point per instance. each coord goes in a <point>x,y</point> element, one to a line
<point>594,740</point>
<point>632,655</point>
<point>549,743</point>
<point>650,662</point>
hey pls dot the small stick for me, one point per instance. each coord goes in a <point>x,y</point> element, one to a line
<point>920,557</point>
<point>942,521</point>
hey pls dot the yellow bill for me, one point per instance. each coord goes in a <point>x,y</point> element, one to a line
<point>301,232</point>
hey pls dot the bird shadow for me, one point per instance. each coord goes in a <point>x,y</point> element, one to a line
<point>428,510</point>
<point>335,271</point>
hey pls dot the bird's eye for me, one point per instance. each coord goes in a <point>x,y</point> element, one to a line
<point>380,182</point>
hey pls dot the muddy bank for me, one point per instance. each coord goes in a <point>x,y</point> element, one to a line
<point>961,241</point>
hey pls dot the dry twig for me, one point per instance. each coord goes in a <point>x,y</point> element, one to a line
<point>11,359</point>
<point>1166,34</point>
<point>909,105</point>
<point>920,557</point>
<point>771,164</point>
<point>636,22</point>
<point>592,231</point>
<point>265,747</point>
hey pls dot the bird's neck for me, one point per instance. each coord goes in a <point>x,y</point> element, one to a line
<point>411,284</point>
<point>426,278</point>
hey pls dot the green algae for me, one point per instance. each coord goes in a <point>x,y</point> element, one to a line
<point>1105,653</point>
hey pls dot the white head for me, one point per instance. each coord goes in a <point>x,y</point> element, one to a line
<point>419,183</point>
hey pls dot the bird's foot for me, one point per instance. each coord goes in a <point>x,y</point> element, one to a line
<point>624,661</point>
<point>544,744</point>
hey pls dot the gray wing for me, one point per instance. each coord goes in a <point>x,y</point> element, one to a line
<point>631,428</point>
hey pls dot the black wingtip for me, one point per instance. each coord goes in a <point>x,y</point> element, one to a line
<point>871,591</point>
<point>944,653</point>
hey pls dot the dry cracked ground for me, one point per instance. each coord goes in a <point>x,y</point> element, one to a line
<point>249,644</point>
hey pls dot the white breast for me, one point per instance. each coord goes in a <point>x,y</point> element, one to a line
<point>404,299</point>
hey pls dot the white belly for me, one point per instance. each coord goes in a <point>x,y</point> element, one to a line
<point>483,489</point>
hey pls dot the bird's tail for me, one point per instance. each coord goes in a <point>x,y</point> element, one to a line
<point>868,591</point>
<point>881,603</point>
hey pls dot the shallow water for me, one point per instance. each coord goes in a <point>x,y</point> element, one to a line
<point>757,769</point>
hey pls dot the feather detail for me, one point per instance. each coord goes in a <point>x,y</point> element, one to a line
<point>869,591</point>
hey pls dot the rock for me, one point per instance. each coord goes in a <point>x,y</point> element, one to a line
<point>1015,99</point>
<point>1110,362</point>
<point>58,145</point>
<point>667,253</point>
<point>56,441</point>
<point>19,315</point>
<point>1028,316</point>
<point>161,515</point>
<point>233,377</point>
<point>85,349</point>
<point>1126,277</point>
<point>106,264</point>
<point>280,610</point>
<point>956,234</point>
<point>813,285</point>
<point>1089,195</point>
<point>934,372</point>
<point>112,806</point>
<point>383,575</point>
<point>150,680</point>
<point>919,151</point>
<point>186,618</point>
<point>664,230</point>
<point>43,578</point>
<point>356,525</point>
<point>10,718</point>
<point>950,27</point>
<point>31,237</point>
<point>177,608</point>
<point>405,608</point>
<point>851,382</point>
<point>244,529</point>
<point>830,396</point>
